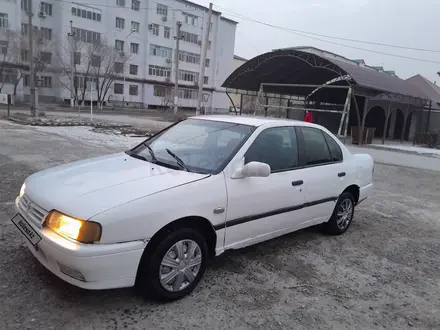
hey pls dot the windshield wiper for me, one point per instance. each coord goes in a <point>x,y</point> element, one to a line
<point>132,154</point>
<point>180,162</point>
<point>153,157</point>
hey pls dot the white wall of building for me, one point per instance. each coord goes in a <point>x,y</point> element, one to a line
<point>220,53</point>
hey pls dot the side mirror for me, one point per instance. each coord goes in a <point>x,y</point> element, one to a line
<point>252,169</point>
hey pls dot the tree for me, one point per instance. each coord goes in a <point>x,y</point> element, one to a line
<point>97,63</point>
<point>42,53</point>
<point>108,64</point>
<point>9,55</point>
<point>84,58</point>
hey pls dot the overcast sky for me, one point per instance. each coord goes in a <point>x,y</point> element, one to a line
<point>407,23</point>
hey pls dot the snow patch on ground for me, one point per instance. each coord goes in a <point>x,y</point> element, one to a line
<point>88,136</point>
<point>408,148</point>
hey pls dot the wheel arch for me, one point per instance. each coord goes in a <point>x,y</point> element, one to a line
<point>354,190</point>
<point>201,224</point>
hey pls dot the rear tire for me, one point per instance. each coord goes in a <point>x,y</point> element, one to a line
<point>342,216</point>
<point>173,267</point>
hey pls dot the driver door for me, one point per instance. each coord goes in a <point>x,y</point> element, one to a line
<point>262,208</point>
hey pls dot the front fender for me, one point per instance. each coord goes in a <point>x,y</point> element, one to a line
<point>142,218</point>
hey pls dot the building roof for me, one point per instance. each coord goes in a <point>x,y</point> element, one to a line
<point>196,5</point>
<point>313,66</point>
<point>236,57</point>
<point>228,20</point>
<point>426,87</point>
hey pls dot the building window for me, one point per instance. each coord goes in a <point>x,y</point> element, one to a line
<point>46,82</point>
<point>166,32</point>
<point>207,62</point>
<point>118,88</point>
<point>135,26</point>
<point>3,47</point>
<point>120,23</point>
<point>190,19</point>
<point>159,71</point>
<point>26,80</point>
<point>133,90</point>
<point>205,80</point>
<point>190,37</point>
<point>162,10</point>
<point>133,69</point>
<point>24,29</point>
<point>25,5</point>
<point>134,48</point>
<point>155,29</point>
<point>160,51</point>
<point>159,91</point>
<point>46,33</point>
<point>120,3</point>
<point>96,61</point>
<point>24,55</point>
<point>4,21</point>
<point>188,76</point>
<point>189,57</point>
<point>94,15</point>
<point>9,76</point>
<point>119,67</point>
<point>84,82</point>
<point>135,5</point>
<point>119,45</point>
<point>87,36</point>
<point>46,8</point>
<point>77,58</point>
<point>209,44</point>
<point>46,57</point>
<point>189,94</point>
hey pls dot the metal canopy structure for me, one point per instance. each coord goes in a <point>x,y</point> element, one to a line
<point>297,72</point>
<point>292,66</point>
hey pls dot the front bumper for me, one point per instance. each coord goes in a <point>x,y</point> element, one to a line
<point>88,266</point>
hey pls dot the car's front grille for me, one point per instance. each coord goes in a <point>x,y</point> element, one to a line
<point>31,211</point>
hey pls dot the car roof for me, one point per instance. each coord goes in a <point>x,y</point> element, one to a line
<point>254,120</point>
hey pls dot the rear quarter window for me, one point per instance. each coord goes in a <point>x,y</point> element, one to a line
<point>335,149</point>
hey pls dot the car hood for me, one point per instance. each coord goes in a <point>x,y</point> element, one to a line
<point>88,187</point>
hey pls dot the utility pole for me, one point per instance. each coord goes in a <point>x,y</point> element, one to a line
<point>123,69</point>
<point>31,61</point>
<point>71,35</point>
<point>176,79</point>
<point>203,60</point>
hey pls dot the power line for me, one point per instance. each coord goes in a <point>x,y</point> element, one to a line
<point>332,42</point>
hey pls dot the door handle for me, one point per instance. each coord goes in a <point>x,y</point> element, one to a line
<point>341,174</point>
<point>297,183</point>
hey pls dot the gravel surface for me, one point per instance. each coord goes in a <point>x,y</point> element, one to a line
<point>383,273</point>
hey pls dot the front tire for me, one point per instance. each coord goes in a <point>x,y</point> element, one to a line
<point>342,215</point>
<point>174,267</point>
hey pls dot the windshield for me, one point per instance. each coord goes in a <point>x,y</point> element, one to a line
<point>195,145</point>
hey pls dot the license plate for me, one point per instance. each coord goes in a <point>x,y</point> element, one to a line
<point>26,229</point>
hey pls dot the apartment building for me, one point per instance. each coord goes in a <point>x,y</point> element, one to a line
<point>143,31</point>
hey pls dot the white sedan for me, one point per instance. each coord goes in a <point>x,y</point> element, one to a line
<point>152,216</point>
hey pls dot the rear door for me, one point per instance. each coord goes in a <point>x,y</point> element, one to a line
<point>325,172</point>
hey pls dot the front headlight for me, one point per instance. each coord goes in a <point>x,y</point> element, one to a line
<point>22,189</point>
<point>76,229</point>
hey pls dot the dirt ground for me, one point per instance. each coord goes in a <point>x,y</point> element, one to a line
<point>383,273</point>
